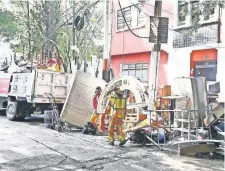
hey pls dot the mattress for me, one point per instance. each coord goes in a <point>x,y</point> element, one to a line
<point>78,107</point>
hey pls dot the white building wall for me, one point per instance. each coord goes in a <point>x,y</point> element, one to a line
<point>179,59</point>
<point>221,60</point>
<point>178,64</point>
<point>221,72</point>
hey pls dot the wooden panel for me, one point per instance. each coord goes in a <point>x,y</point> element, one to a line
<point>160,92</point>
<point>198,148</point>
<point>132,117</point>
<point>167,90</point>
<point>78,108</point>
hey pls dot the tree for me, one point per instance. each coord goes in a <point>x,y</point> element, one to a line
<point>8,25</point>
<point>42,22</point>
<point>85,39</point>
<point>46,21</point>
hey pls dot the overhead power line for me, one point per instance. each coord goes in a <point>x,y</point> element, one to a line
<point>128,25</point>
<point>149,16</point>
<point>136,6</point>
<point>162,9</point>
<point>86,4</point>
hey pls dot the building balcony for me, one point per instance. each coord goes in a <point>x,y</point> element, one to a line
<point>198,35</point>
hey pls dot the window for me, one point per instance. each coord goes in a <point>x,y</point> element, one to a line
<point>182,12</point>
<point>120,20</point>
<point>140,15</point>
<point>206,69</point>
<point>140,71</point>
<point>195,11</point>
<point>208,10</point>
<point>133,11</point>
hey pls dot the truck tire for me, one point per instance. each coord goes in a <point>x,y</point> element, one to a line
<point>11,111</point>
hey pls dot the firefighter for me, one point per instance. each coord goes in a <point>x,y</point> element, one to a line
<point>102,116</point>
<point>116,106</point>
<point>54,66</point>
<point>95,115</point>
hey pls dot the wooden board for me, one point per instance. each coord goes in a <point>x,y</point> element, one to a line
<point>78,107</point>
<point>132,117</point>
<point>199,148</point>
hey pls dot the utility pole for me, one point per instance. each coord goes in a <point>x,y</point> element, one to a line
<point>105,72</point>
<point>73,33</point>
<point>155,63</point>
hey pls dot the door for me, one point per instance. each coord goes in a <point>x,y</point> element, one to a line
<point>206,69</point>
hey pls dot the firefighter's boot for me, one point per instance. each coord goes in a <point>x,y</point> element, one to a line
<point>122,143</point>
<point>111,143</point>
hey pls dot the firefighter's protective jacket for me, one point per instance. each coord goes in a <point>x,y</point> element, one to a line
<point>116,106</point>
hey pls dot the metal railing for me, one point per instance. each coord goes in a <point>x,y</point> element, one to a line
<point>175,126</point>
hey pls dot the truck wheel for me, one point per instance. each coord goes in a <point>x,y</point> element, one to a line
<point>11,111</point>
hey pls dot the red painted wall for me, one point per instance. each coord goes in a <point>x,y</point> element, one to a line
<point>141,58</point>
<point>125,42</point>
<point>137,50</point>
<point>199,55</point>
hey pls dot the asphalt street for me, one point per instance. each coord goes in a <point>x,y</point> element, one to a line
<point>29,146</point>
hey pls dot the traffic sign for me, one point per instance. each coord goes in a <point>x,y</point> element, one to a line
<point>158,29</point>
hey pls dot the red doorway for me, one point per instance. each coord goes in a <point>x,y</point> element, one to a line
<point>204,63</point>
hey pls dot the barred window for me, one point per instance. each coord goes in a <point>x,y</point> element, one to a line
<point>182,12</point>
<point>195,11</point>
<point>139,70</point>
<point>140,15</point>
<point>120,20</point>
<point>208,10</point>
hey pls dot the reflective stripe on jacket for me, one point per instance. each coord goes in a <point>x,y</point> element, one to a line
<point>118,105</point>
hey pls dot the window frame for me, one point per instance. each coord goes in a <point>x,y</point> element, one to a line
<point>122,19</point>
<point>139,18</point>
<point>179,5</point>
<point>195,5</point>
<point>188,14</point>
<point>127,68</point>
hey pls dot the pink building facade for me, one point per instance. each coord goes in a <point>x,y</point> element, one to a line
<point>185,51</point>
<point>130,55</point>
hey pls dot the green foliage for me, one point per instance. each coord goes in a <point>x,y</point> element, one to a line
<point>63,45</point>
<point>92,31</point>
<point>8,25</point>
<point>46,21</point>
